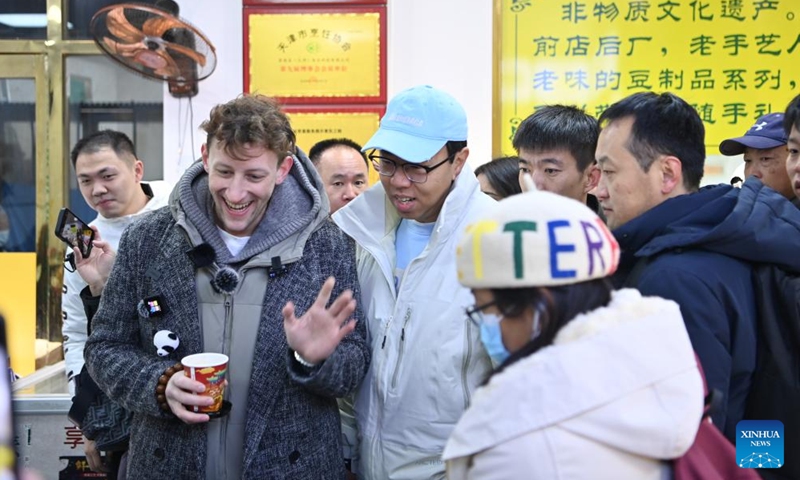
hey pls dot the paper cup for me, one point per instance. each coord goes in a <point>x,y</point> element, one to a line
<point>208,369</point>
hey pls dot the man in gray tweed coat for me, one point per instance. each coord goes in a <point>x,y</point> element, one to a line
<point>241,262</point>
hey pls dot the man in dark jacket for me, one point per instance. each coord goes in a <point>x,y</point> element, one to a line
<point>698,243</point>
<point>791,125</point>
<point>763,147</point>
<point>234,266</point>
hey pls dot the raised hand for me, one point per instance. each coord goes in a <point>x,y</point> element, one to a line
<point>95,269</point>
<point>316,334</point>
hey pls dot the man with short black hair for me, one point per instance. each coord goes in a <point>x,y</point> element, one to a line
<point>689,245</point>
<point>110,179</point>
<point>343,168</point>
<point>427,360</point>
<point>556,147</point>
<point>764,149</point>
<point>791,126</point>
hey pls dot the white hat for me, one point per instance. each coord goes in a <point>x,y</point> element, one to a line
<point>535,239</point>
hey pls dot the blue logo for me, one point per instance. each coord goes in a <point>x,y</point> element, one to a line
<point>759,444</point>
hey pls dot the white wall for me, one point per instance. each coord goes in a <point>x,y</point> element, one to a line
<point>444,43</point>
<point>447,44</point>
<point>221,22</point>
<point>111,82</point>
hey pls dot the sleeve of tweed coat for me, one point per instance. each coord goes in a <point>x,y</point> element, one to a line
<point>342,372</point>
<point>113,354</point>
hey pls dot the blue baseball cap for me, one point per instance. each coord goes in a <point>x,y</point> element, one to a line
<point>766,133</point>
<point>418,122</point>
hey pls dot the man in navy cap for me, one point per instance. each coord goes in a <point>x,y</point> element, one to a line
<point>427,358</point>
<point>764,149</point>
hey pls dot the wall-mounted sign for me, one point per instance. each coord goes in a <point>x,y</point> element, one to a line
<point>732,60</point>
<point>316,55</point>
<point>312,126</point>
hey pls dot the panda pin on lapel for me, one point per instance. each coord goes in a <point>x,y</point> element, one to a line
<point>165,342</point>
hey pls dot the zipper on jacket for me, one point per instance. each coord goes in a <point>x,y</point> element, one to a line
<point>226,334</point>
<point>465,364</point>
<point>386,331</point>
<point>401,349</point>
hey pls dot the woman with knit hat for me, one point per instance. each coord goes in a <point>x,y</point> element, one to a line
<point>590,382</point>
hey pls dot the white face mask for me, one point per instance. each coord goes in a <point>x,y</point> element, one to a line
<point>4,234</point>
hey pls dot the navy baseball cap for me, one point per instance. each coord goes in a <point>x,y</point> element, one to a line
<point>766,133</point>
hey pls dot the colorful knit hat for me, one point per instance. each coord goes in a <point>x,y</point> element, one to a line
<point>536,239</point>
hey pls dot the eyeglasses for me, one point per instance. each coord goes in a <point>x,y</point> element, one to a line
<point>475,313</point>
<point>69,262</point>
<point>414,172</point>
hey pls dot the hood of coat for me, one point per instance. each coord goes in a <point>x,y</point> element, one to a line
<point>623,375</point>
<point>371,217</point>
<point>296,209</point>
<point>754,224</point>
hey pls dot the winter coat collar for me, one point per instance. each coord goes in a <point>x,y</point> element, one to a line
<point>602,356</point>
<point>754,224</point>
<point>370,218</point>
<point>295,210</point>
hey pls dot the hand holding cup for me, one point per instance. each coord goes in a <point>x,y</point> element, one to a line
<point>196,396</point>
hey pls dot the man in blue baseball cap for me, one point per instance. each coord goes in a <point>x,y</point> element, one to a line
<point>764,149</point>
<point>426,359</point>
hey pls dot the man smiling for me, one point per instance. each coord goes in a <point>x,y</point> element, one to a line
<point>427,358</point>
<point>244,244</point>
<point>110,179</point>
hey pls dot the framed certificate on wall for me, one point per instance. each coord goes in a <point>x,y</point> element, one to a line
<point>314,124</point>
<point>257,3</point>
<point>328,55</point>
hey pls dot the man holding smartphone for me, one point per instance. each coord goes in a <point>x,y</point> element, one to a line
<point>110,179</point>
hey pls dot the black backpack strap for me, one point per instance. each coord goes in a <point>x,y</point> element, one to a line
<point>90,306</point>
<point>85,393</point>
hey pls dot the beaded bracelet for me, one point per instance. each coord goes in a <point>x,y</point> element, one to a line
<point>302,361</point>
<point>161,388</point>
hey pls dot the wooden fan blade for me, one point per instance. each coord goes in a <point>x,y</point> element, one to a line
<point>124,49</point>
<point>119,26</point>
<point>168,69</point>
<point>157,26</point>
<point>193,54</point>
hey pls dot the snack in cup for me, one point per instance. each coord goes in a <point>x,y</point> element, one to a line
<point>208,369</point>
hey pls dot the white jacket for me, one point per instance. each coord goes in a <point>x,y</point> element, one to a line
<point>427,357</point>
<point>74,327</point>
<point>618,392</point>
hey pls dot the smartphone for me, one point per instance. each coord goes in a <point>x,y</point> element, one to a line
<point>74,232</point>
<point>8,456</point>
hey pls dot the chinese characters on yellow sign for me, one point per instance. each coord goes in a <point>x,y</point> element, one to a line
<point>315,54</point>
<point>733,60</point>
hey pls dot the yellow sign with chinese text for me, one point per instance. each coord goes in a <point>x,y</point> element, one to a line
<point>732,60</point>
<point>18,306</point>
<point>315,54</point>
<point>311,128</point>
